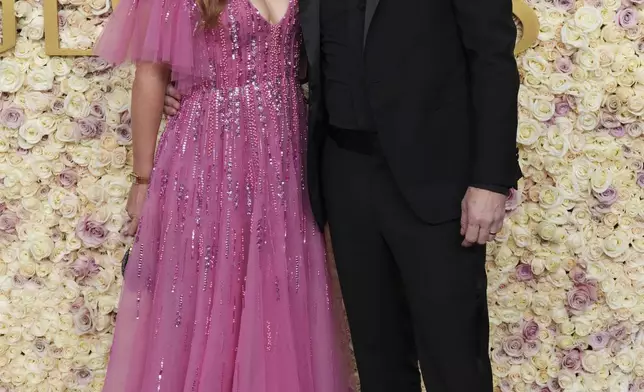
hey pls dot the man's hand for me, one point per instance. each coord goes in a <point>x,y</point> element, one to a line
<point>172,100</point>
<point>482,216</point>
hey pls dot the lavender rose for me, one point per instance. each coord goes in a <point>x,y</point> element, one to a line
<point>124,133</point>
<point>68,178</point>
<point>565,5</point>
<point>618,131</point>
<point>83,267</point>
<point>530,330</point>
<point>626,17</point>
<point>57,106</point>
<point>608,120</point>
<point>92,233</point>
<point>607,197</point>
<point>126,117</point>
<point>640,179</point>
<point>83,323</point>
<point>577,274</point>
<point>618,332</point>
<point>97,110</point>
<point>513,346</point>
<point>83,376</point>
<point>523,272</point>
<point>563,64</point>
<point>562,107</point>
<point>89,128</point>
<point>599,340</point>
<point>572,361</point>
<point>637,385</point>
<point>8,221</point>
<point>12,117</point>
<point>498,355</point>
<point>581,297</point>
<point>97,64</point>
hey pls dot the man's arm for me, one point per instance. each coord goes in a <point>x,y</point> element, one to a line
<point>489,36</point>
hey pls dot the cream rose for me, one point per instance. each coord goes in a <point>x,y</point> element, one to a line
<point>12,77</point>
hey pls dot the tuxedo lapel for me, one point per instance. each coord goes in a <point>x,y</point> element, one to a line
<point>370,10</point>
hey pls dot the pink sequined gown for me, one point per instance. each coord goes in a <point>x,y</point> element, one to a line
<point>227,288</point>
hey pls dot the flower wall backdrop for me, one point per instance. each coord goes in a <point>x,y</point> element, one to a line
<point>566,275</point>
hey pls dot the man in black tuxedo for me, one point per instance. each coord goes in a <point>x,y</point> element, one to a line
<point>411,155</point>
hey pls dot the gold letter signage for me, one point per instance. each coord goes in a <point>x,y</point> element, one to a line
<point>521,10</point>
<point>8,26</point>
<point>52,34</point>
<point>530,24</point>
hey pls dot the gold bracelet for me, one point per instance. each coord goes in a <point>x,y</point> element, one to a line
<point>134,179</point>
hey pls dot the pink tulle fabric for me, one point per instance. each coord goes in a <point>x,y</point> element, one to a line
<point>227,287</point>
<point>160,31</point>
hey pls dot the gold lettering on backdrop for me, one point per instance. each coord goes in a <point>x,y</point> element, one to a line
<point>52,32</point>
<point>8,26</point>
<point>521,10</point>
<point>530,23</point>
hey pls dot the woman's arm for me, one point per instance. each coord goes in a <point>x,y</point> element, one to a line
<point>148,93</point>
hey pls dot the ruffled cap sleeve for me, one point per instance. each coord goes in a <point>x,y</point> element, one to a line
<point>159,31</point>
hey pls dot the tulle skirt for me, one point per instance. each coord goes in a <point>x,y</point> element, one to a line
<point>227,288</point>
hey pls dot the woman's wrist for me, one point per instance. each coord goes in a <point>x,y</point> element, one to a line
<point>139,179</point>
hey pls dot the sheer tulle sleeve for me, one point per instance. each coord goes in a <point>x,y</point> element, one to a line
<point>160,31</point>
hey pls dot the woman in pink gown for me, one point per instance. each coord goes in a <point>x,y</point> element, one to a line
<point>227,288</point>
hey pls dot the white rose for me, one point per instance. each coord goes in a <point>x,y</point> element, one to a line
<point>35,29</point>
<point>40,246</point>
<point>535,64</point>
<point>616,244</point>
<point>77,83</point>
<point>99,7</point>
<point>37,102</point>
<point>635,105</point>
<point>592,100</point>
<point>60,66</point>
<point>559,83</point>
<point>587,121</point>
<point>66,132</point>
<point>600,179</point>
<point>24,48</point>
<point>76,105</point>
<point>118,100</point>
<point>69,206</point>
<point>11,76</point>
<point>31,132</point>
<point>573,36</point>
<point>529,131</point>
<point>626,361</point>
<point>588,19</point>
<point>542,109</point>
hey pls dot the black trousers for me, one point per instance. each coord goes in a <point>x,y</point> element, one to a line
<point>413,294</point>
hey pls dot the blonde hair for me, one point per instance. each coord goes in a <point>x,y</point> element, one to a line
<point>210,11</point>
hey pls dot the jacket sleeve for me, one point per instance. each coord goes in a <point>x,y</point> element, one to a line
<point>488,36</point>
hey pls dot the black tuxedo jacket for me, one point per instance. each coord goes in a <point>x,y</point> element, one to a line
<point>442,82</point>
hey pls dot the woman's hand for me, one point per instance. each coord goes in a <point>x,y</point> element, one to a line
<point>171,101</point>
<point>134,208</point>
